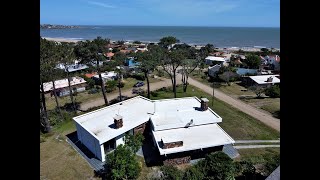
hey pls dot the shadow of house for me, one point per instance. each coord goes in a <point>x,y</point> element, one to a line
<point>95,163</point>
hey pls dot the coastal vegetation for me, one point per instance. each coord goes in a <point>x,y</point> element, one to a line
<point>56,119</point>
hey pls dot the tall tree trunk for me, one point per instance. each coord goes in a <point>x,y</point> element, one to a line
<point>102,85</point>
<point>74,108</point>
<point>44,122</point>
<point>119,86</point>
<point>148,84</point>
<point>174,84</point>
<point>185,83</point>
<point>56,98</point>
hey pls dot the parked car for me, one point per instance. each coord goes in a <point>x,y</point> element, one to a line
<point>138,84</point>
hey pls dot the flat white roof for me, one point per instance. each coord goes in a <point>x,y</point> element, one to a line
<point>100,123</point>
<point>193,138</point>
<point>214,58</point>
<point>176,113</point>
<point>263,78</point>
<point>62,83</point>
<point>106,75</point>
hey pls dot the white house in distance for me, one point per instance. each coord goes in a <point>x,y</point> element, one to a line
<point>212,60</point>
<point>106,76</point>
<point>264,80</point>
<point>62,87</point>
<point>178,126</point>
<point>76,66</point>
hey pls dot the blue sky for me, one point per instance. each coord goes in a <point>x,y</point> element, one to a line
<point>234,13</point>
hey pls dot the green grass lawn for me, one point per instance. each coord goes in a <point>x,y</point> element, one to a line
<point>237,124</point>
<point>85,96</point>
<point>256,156</point>
<point>271,105</point>
<point>58,160</point>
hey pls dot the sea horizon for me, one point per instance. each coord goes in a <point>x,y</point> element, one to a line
<point>220,36</point>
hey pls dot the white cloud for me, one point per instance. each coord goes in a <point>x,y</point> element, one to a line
<point>101,4</point>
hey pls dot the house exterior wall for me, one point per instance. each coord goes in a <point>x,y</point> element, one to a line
<point>119,139</point>
<point>139,128</point>
<point>90,142</point>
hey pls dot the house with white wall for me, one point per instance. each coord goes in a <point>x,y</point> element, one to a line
<point>178,126</point>
<point>77,84</point>
<point>76,66</point>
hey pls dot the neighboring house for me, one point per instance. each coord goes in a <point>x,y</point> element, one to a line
<point>131,63</point>
<point>181,128</point>
<point>273,61</point>
<point>106,76</point>
<point>244,71</point>
<point>76,66</point>
<point>262,80</point>
<point>78,84</point>
<point>212,60</point>
<point>90,75</point>
<point>109,55</point>
<point>212,71</point>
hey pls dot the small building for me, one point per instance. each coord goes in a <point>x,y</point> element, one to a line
<point>273,61</point>
<point>213,60</point>
<point>109,55</point>
<point>76,66</point>
<point>106,76</point>
<point>262,80</point>
<point>213,70</point>
<point>180,127</point>
<point>77,84</point>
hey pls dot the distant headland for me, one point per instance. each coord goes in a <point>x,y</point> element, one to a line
<point>51,26</point>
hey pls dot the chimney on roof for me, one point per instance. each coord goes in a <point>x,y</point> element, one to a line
<point>204,104</point>
<point>118,122</point>
<point>270,79</point>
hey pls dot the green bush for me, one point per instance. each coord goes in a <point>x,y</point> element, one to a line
<point>273,91</point>
<point>139,76</point>
<point>193,173</point>
<point>154,94</point>
<point>170,172</point>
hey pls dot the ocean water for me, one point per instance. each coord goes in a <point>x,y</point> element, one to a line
<point>219,36</point>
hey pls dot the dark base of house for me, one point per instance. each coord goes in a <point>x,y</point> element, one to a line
<point>187,156</point>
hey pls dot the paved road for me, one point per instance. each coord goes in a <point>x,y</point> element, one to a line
<point>256,141</point>
<point>255,146</point>
<point>252,111</point>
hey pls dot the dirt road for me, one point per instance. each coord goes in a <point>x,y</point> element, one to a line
<point>100,101</point>
<point>252,111</point>
<point>238,104</point>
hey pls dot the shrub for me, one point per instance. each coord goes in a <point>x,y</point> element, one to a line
<point>139,76</point>
<point>193,173</point>
<point>154,94</point>
<point>170,172</point>
<point>122,164</point>
<point>273,91</point>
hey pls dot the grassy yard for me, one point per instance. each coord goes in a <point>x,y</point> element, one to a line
<point>256,156</point>
<point>271,105</point>
<point>85,96</point>
<point>58,160</point>
<point>237,124</point>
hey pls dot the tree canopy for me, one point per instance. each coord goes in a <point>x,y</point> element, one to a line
<point>167,41</point>
<point>252,61</point>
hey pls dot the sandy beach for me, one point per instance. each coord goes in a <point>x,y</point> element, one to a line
<point>61,39</point>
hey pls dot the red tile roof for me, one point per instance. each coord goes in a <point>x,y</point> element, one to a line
<point>88,75</point>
